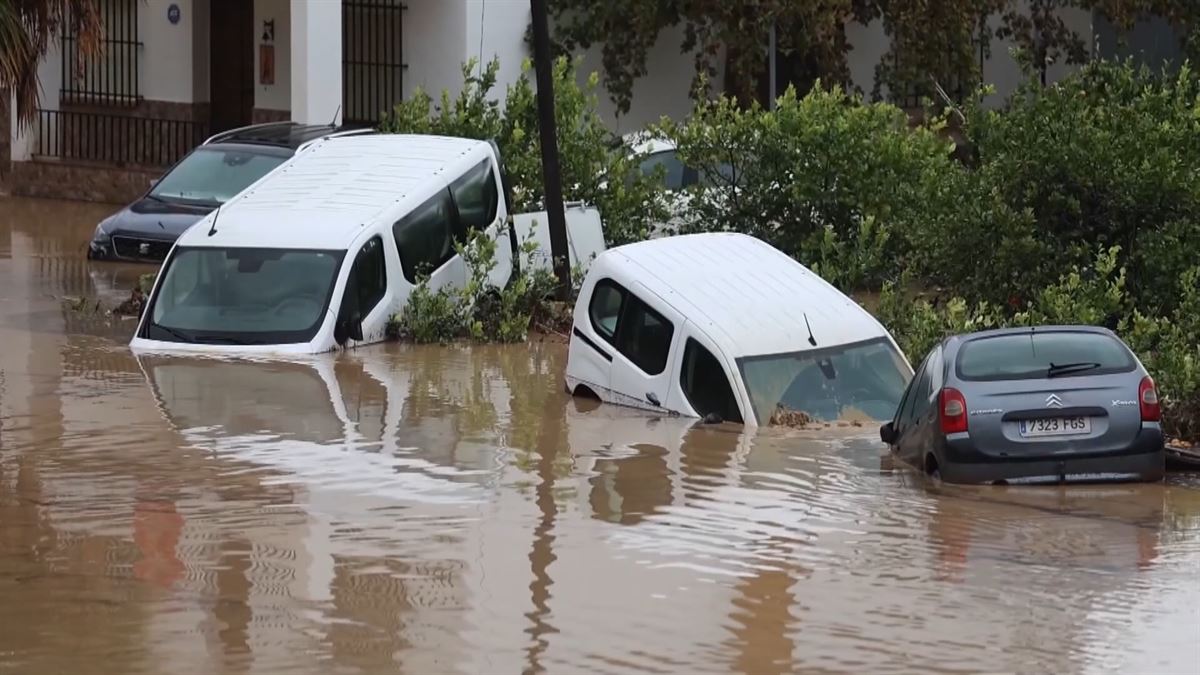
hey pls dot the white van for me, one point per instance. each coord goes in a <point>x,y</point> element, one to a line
<point>723,326</point>
<point>322,251</point>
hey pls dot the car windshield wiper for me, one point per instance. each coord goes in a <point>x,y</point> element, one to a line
<point>178,334</point>
<point>223,339</point>
<point>1057,369</point>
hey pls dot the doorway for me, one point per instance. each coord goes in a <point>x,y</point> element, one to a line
<point>231,63</point>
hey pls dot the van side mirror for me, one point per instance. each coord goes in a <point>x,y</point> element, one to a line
<point>356,327</point>
<point>887,433</point>
<point>348,327</point>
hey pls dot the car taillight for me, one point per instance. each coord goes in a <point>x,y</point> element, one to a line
<point>1148,401</point>
<point>953,410</point>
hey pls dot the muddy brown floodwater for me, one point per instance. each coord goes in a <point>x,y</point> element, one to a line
<point>450,510</point>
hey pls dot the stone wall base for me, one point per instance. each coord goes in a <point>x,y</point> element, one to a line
<point>85,182</point>
<point>264,115</point>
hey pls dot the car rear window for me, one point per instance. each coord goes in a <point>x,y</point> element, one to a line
<point>1037,355</point>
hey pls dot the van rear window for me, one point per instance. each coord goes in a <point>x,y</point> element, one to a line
<point>1035,355</point>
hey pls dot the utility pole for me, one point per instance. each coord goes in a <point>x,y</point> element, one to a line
<point>551,175</point>
<point>771,94</point>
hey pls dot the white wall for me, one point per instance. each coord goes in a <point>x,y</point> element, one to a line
<point>502,25</point>
<point>316,60</point>
<point>868,44</point>
<point>167,54</point>
<point>25,142</point>
<point>435,44</point>
<point>1002,70</point>
<point>276,96</point>
<point>664,91</point>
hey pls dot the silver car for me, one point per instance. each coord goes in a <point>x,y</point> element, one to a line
<point>1048,404</point>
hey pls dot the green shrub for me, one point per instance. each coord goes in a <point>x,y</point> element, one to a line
<point>596,167</point>
<point>830,180</point>
<point>1091,295</point>
<point>479,310</point>
<point>1106,157</point>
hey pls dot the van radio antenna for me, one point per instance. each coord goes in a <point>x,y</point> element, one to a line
<point>333,122</point>
<point>811,340</point>
<point>213,229</point>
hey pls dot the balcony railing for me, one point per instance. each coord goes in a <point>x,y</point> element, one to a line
<point>119,140</point>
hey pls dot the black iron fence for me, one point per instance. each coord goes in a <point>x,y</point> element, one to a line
<point>372,59</point>
<point>120,140</point>
<point>109,77</point>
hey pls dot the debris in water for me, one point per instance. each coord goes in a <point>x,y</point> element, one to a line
<point>786,417</point>
<point>133,306</point>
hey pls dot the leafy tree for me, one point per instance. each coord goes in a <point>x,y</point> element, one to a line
<point>27,29</point>
<point>935,40</point>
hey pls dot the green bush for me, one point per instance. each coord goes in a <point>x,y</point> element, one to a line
<point>832,181</point>
<point>1091,295</point>
<point>1106,157</point>
<point>479,310</point>
<point>596,167</point>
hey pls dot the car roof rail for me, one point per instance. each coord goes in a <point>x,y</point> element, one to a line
<point>336,134</point>
<point>230,132</point>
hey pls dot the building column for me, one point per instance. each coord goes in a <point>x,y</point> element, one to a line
<point>316,34</point>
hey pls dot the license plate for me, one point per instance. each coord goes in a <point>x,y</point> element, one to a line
<point>1056,426</point>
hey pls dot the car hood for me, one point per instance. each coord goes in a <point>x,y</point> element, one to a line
<point>155,219</point>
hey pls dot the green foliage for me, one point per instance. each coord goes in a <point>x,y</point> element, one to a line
<point>928,41</point>
<point>1105,158</point>
<point>596,168</point>
<point>1095,294</point>
<point>479,310</point>
<point>824,178</point>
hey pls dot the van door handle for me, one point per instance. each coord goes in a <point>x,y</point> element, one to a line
<point>653,400</point>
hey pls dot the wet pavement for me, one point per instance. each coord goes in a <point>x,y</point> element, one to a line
<point>430,510</point>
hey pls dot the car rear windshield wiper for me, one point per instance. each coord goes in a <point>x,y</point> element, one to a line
<point>1057,369</point>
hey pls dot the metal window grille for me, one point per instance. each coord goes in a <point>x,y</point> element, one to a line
<point>372,59</point>
<point>111,76</point>
<point>116,139</point>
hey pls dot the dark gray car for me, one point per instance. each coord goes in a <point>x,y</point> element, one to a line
<point>1031,405</point>
<point>207,177</point>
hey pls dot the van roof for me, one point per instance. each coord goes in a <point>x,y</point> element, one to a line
<point>323,196</point>
<point>744,293</point>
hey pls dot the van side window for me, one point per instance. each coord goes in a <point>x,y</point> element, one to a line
<point>423,237</point>
<point>605,307</point>
<point>370,273</point>
<point>476,196</point>
<point>705,385</point>
<point>644,336</point>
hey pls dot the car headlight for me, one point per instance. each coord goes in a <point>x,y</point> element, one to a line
<point>101,232</point>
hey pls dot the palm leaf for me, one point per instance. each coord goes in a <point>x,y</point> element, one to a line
<point>27,29</point>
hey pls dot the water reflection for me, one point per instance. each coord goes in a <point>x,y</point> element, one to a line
<point>451,510</point>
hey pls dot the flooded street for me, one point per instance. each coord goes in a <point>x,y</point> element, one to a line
<point>451,510</point>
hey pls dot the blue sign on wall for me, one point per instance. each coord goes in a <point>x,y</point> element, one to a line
<point>173,13</point>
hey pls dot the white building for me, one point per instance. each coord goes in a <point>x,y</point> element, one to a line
<point>174,71</point>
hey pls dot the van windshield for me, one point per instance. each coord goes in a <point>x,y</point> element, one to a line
<point>861,381</point>
<point>243,295</point>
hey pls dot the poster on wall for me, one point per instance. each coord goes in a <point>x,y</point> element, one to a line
<point>266,64</point>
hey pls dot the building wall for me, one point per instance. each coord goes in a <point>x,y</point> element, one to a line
<point>167,72</point>
<point>435,44</point>
<point>275,97</point>
<point>664,92</point>
<point>496,30</point>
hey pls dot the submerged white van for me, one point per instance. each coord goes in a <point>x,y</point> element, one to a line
<point>724,326</point>
<point>322,251</point>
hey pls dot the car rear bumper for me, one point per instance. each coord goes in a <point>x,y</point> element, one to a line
<point>1142,460</point>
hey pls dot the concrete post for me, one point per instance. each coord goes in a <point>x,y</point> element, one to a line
<point>316,34</point>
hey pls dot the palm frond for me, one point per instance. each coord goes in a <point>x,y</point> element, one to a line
<point>27,30</point>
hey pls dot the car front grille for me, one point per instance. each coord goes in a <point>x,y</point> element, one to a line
<point>138,248</point>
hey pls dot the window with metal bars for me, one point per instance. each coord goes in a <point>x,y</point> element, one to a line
<point>372,59</point>
<point>109,77</point>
